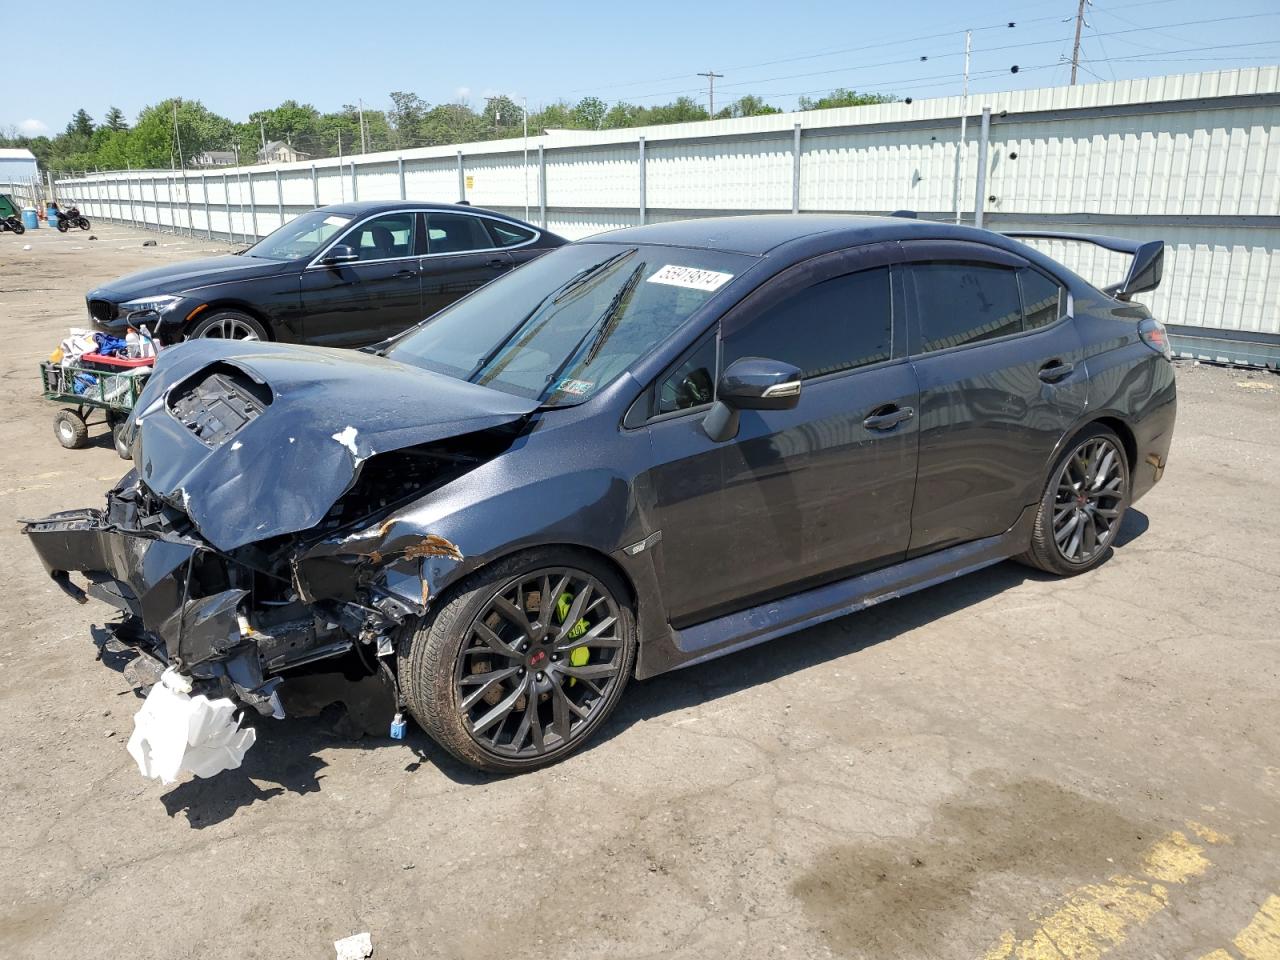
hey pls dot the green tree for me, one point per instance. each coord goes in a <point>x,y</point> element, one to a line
<point>502,117</point>
<point>844,97</point>
<point>748,106</point>
<point>291,122</point>
<point>589,113</point>
<point>408,117</point>
<point>153,141</point>
<point>81,125</point>
<point>114,119</point>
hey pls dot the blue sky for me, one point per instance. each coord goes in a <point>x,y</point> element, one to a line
<point>238,56</point>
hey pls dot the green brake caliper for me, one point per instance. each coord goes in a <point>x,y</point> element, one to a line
<point>578,656</point>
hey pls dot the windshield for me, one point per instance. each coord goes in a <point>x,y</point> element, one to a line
<point>563,326</point>
<point>301,237</point>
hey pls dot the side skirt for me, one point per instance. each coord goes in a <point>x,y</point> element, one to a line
<point>746,628</point>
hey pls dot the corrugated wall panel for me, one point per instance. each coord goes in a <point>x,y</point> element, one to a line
<point>1160,156</point>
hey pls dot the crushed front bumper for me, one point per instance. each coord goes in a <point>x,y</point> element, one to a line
<point>232,623</point>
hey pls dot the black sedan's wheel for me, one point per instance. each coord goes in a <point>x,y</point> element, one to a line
<point>524,662</point>
<point>227,325</point>
<point>1082,506</point>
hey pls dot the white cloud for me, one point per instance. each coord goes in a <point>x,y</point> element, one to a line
<point>33,128</point>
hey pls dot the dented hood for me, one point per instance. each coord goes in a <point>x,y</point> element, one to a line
<point>327,411</point>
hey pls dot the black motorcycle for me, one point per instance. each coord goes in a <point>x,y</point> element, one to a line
<point>12,223</point>
<point>71,217</point>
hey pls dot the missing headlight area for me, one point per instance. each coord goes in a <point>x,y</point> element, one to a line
<point>231,626</point>
<point>218,402</point>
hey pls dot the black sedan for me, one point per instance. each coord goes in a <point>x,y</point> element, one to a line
<point>342,276</point>
<point>640,452</point>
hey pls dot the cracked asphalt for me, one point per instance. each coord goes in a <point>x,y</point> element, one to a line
<point>1003,766</point>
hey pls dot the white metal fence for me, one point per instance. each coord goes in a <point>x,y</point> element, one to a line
<point>1192,159</point>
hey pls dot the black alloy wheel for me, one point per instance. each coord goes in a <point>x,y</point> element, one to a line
<point>1083,505</point>
<point>536,659</point>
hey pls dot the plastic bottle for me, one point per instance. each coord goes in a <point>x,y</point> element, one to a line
<point>133,344</point>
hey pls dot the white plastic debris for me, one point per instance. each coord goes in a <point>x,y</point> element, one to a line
<point>354,948</point>
<point>175,731</point>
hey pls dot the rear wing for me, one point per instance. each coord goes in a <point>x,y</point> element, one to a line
<point>1145,269</point>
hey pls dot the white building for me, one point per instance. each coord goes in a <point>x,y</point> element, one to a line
<point>17,165</point>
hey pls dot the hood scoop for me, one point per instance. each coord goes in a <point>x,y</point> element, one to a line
<point>218,402</point>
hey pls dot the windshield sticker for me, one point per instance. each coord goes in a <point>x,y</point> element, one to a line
<point>575,388</point>
<point>691,277</point>
<point>337,221</point>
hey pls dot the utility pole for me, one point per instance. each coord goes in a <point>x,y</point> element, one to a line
<point>526,160</point>
<point>1075,50</point>
<point>711,76</point>
<point>177,136</point>
<point>364,147</point>
<point>262,131</point>
<point>964,120</point>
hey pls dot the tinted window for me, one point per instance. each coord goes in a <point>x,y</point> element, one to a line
<point>383,237</point>
<point>508,234</point>
<point>964,303</point>
<point>692,382</point>
<point>456,233</point>
<point>835,325</point>
<point>1042,299</point>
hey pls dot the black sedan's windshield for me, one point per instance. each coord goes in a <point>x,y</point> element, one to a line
<point>301,237</point>
<point>563,326</point>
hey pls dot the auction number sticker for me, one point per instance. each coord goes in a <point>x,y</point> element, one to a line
<point>691,277</point>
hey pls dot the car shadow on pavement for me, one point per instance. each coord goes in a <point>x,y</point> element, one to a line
<point>851,633</point>
<point>286,754</point>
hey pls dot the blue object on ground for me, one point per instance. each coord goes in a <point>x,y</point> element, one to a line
<point>29,218</point>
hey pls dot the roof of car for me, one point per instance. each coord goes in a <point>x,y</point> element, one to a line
<point>758,234</point>
<point>362,207</point>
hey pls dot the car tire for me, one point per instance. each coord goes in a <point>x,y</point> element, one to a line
<point>1082,506</point>
<point>70,429</point>
<point>440,661</point>
<point>227,325</point>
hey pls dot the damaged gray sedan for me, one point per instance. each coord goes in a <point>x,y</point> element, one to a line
<point>635,453</point>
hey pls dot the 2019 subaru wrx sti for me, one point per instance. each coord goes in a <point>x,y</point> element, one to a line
<point>641,451</point>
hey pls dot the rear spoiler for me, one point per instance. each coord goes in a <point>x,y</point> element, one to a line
<point>1145,270</point>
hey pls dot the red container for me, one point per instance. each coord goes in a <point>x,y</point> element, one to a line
<point>99,362</point>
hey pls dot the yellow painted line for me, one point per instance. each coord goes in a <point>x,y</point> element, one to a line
<point>1098,916</point>
<point>1260,940</point>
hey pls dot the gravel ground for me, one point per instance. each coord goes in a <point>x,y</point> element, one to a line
<point>1006,765</point>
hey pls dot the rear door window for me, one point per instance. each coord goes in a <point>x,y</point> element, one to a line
<point>960,303</point>
<point>838,324</point>
<point>456,233</point>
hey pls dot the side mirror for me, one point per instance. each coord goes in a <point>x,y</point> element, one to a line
<point>751,383</point>
<point>340,254</point>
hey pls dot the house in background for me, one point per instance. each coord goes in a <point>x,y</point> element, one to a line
<point>17,165</point>
<point>277,151</point>
<point>215,158</point>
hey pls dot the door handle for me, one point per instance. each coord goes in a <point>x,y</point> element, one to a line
<point>888,417</point>
<point>1056,370</point>
<point>405,274</point>
<point>498,264</point>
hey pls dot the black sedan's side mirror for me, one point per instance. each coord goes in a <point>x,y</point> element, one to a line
<point>750,383</point>
<point>340,254</point>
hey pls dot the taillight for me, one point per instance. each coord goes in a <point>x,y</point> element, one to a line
<point>1155,336</point>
